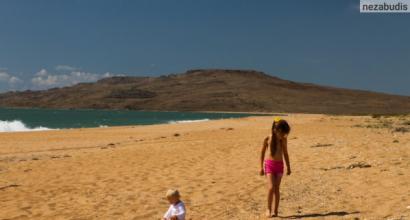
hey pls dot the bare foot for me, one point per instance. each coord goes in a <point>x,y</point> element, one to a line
<point>275,214</point>
<point>268,214</point>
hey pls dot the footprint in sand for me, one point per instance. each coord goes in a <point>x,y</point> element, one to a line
<point>148,215</point>
<point>27,209</point>
<point>9,186</point>
<point>52,206</point>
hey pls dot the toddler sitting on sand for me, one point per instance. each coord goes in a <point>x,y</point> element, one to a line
<point>176,210</point>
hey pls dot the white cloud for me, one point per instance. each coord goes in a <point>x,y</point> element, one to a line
<point>42,72</point>
<point>9,79</point>
<point>108,74</point>
<point>15,80</point>
<point>43,79</point>
<point>65,68</point>
<point>4,76</point>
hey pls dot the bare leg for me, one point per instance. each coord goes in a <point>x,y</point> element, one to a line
<point>276,189</point>
<point>269,177</point>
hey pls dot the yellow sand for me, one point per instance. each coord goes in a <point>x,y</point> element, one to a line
<point>124,172</point>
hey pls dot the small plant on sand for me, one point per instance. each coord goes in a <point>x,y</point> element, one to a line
<point>360,164</point>
<point>322,145</point>
<point>407,122</point>
<point>401,129</point>
<point>380,124</point>
<point>377,116</point>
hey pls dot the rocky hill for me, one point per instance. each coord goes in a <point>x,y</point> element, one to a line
<point>211,90</point>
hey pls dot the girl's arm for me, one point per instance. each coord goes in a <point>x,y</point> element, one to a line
<point>286,155</point>
<point>264,146</point>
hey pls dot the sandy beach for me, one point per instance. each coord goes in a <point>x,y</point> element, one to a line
<point>344,167</point>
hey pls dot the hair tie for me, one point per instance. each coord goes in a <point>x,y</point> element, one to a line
<point>277,119</point>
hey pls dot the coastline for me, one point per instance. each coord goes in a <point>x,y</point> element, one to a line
<point>42,119</point>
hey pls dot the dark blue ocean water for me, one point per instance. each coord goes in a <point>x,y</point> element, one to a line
<point>57,118</point>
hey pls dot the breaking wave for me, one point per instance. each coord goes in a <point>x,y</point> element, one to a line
<point>187,121</point>
<point>18,126</point>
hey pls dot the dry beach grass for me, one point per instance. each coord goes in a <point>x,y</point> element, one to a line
<point>344,167</point>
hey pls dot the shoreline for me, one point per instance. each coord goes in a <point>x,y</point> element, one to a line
<point>21,120</point>
<point>145,110</point>
<point>180,122</point>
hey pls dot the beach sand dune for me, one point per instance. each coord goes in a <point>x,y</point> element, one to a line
<point>344,167</point>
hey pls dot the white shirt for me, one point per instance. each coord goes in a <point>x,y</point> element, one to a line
<point>177,209</point>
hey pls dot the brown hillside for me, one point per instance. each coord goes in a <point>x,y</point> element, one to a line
<point>211,90</point>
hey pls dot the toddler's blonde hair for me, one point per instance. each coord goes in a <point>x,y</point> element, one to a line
<point>172,193</point>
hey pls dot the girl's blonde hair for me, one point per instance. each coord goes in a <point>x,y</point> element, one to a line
<point>172,193</point>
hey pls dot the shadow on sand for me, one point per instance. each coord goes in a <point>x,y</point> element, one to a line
<point>313,215</point>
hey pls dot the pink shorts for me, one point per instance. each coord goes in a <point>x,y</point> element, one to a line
<point>274,167</point>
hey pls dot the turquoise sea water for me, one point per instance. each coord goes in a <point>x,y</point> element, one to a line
<point>12,119</point>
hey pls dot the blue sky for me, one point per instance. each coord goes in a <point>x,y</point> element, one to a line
<point>48,43</point>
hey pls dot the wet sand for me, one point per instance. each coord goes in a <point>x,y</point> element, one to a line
<point>344,167</point>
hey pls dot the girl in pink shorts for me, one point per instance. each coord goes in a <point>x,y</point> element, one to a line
<point>272,164</point>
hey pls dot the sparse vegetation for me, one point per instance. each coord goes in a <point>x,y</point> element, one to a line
<point>322,145</point>
<point>376,116</point>
<point>407,123</point>
<point>132,93</point>
<point>401,129</point>
<point>358,165</point>
<point>395,123</point>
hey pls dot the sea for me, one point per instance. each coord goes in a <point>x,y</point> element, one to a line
<point>24,119</point>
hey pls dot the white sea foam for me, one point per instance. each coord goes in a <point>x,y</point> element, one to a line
<point>18,126</point>
<point>187,121</point>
